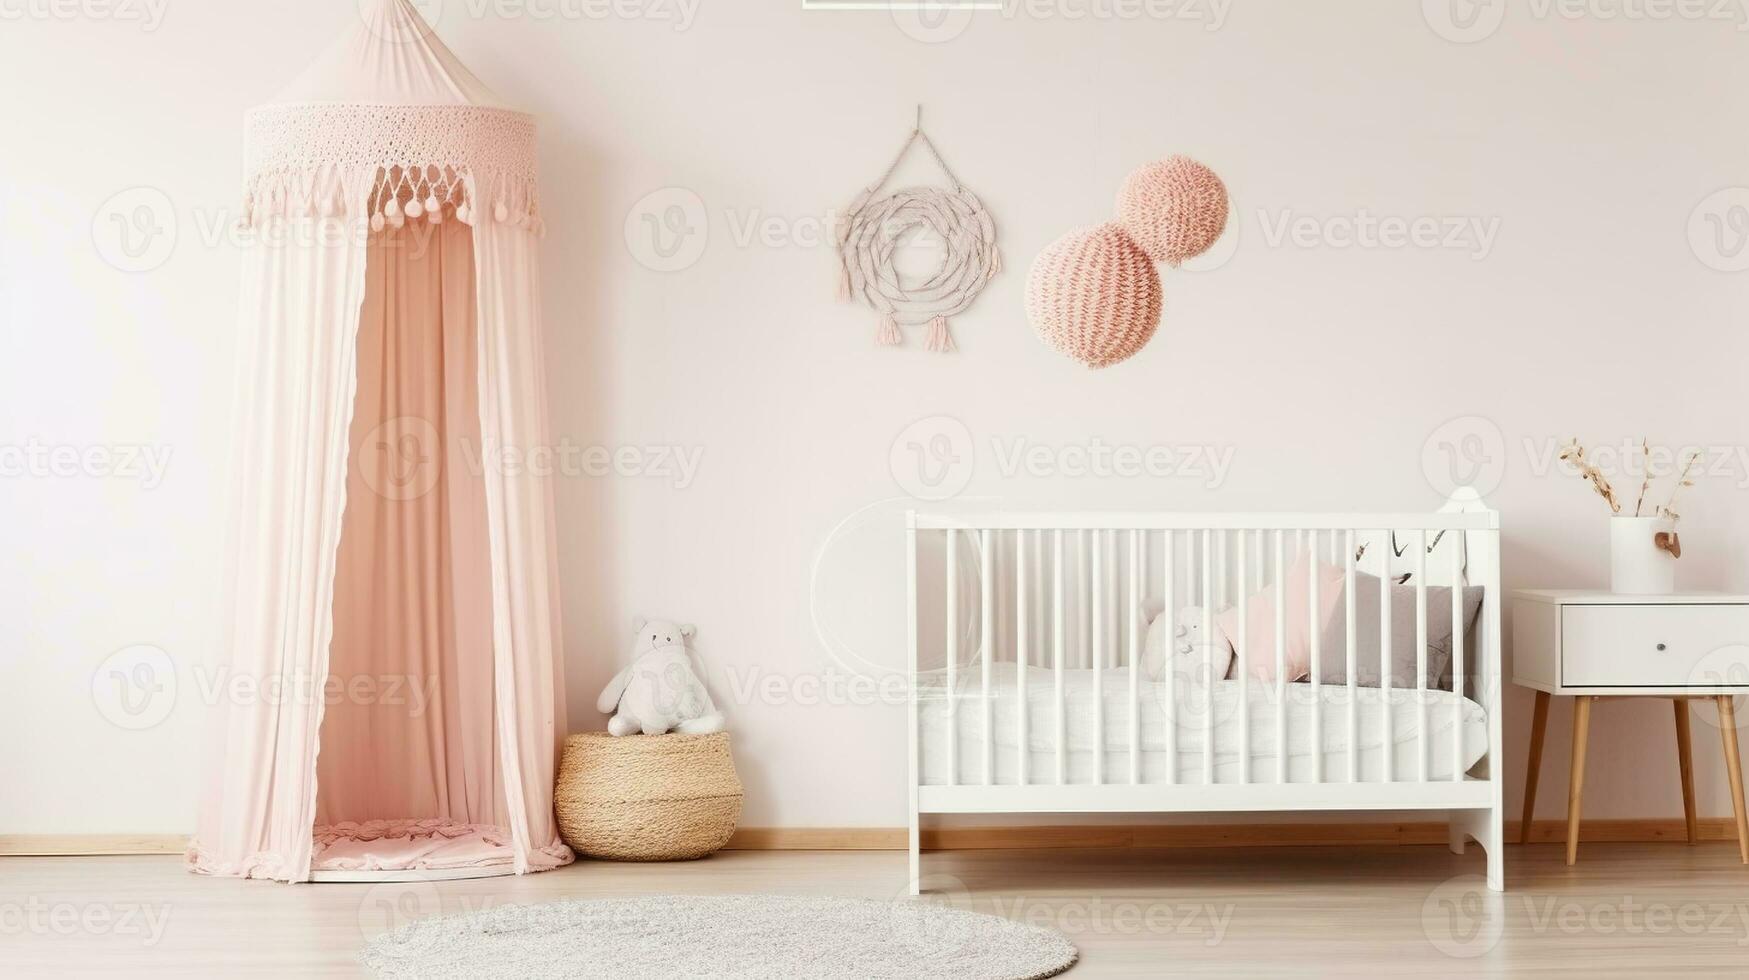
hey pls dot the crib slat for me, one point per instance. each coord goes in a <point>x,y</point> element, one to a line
<point>1313,629</point>
<point>953,656</point>
<point>1208,658</point>
<point>1057,659</point>
<point>1280,661</point>
<point>1421,740</point>
<point>1023,621</point>
<point>1098,657</point>
<point>1220,569</point>
<point>1350,624</point>
<point>987,643</point>
<point>1242,666</point>
<point>1134,617</point>
<point>1457,659</point>
<point>1083,608</point>
<point>1168,560</point>
<point>1387,755</point>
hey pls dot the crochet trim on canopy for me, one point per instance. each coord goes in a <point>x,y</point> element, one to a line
<point>414,161</point>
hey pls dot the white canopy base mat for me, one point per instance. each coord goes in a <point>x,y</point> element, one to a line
<point>722,936</point>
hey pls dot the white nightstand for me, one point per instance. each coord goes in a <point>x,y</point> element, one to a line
<point>1593,645</point>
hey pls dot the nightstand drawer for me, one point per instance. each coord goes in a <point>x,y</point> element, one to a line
<point>1684,645</point>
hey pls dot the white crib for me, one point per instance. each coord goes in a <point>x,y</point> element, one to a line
<point>1028,694</point>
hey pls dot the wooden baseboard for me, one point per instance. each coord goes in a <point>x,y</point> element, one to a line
<point>69,845</point>
<point>1204,835</point>
<point>1023,837</point>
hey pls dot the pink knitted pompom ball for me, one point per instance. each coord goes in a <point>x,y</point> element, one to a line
<point>1174,208</point>
<point>1094,295</point>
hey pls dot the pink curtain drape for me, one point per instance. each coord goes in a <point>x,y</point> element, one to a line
<point>409,728</point>
<point>524,557</point>
<point>396,568</point>
<point>301,293</point>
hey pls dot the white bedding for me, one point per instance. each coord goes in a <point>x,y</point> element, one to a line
<point>1441,709</point>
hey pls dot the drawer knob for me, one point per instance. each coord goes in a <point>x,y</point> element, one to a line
<point>1660,647</point>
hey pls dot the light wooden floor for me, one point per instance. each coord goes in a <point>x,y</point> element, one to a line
<point>1625,909</point>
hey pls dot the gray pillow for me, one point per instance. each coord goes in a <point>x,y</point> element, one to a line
<point>1333,642</point>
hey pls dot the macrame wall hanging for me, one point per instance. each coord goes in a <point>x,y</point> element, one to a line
<point>869,234</point>
<point>1094,294</point>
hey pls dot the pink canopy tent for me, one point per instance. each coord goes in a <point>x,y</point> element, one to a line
<point>394,697</point>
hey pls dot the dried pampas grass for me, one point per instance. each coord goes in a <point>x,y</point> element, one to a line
<point>1574,453</point>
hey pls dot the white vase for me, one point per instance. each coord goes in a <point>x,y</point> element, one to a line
<point>1637,566</point>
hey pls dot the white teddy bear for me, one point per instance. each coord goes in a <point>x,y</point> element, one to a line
<point>659,690</point>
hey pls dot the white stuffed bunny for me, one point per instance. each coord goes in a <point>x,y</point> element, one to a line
<point>1178,641</point>
<point>659,690</point>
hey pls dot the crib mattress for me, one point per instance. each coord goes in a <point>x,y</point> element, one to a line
<point>1195,702</point>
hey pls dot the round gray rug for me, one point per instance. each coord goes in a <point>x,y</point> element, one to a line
<point>721,936</point>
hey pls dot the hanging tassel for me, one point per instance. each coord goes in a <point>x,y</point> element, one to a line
<point>887,334</point>
<point>843,281</point>
<point>940,341</point>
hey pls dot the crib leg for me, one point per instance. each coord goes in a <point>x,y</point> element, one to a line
<point>915,846</point>
<point>1456,836</point>
<point>1488,828</point>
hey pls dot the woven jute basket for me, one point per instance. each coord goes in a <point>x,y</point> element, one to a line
<point>647,797</point>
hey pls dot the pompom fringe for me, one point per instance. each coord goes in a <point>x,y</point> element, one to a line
<point>939,341</point>
<point>887,334</point>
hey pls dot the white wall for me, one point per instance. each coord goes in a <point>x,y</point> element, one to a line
<point>1325,371</point>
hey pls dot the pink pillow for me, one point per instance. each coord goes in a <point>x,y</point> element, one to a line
<point>1260,621</point>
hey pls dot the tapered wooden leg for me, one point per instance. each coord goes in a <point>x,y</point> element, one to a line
<point>1538,722</point>
<point>1734,763</point>
<point>1685,763</point>
<point>1576,780</point>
